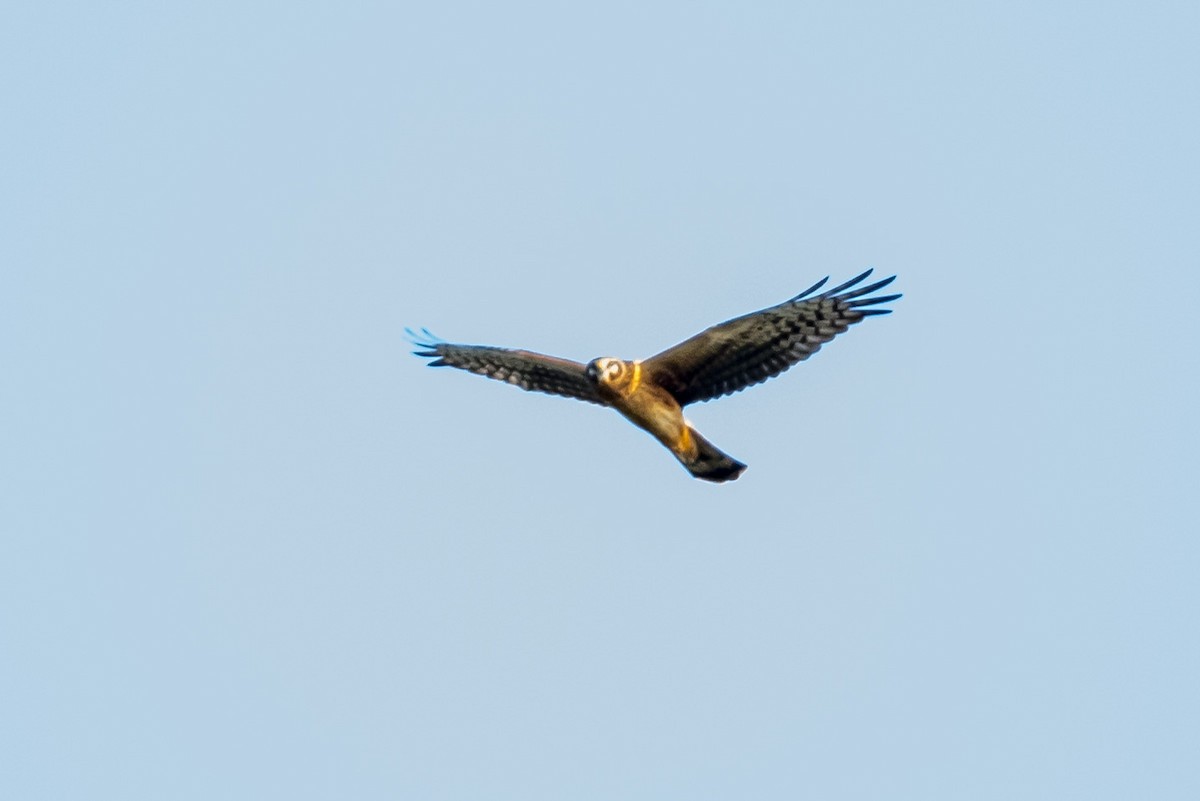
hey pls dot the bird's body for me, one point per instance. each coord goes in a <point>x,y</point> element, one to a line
<point>651,408</point>
<point>651,393</point>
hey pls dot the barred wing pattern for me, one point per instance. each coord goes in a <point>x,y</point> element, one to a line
<point>750,349</point>
<point>532,371</point>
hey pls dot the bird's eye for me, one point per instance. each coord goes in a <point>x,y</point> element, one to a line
<point>615,368</point>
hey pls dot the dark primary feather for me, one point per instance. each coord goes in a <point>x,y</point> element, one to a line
<point>532,371</point>
<point>750,349</point>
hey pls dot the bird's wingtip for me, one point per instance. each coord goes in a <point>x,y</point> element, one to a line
<point>424,339</point>
<point>810,290</point>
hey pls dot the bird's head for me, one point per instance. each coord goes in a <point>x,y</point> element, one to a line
<point>606,371</point>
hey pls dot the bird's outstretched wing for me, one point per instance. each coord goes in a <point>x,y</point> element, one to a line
<point>525,369</point>
<point>748,350</point>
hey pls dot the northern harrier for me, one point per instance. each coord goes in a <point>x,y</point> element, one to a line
<point>652,392</point>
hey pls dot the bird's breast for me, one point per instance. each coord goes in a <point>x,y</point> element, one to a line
<point>652,408</point>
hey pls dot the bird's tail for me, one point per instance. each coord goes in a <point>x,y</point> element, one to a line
<point>711,464</point>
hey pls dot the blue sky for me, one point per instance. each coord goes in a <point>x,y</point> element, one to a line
<point>254,549</point>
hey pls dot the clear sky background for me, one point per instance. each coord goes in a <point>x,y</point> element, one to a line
<point>253,549</point>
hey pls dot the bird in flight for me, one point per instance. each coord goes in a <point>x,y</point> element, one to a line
<point>652,392</point>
